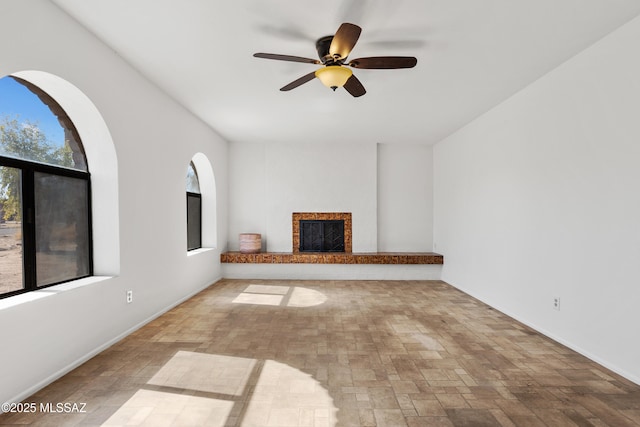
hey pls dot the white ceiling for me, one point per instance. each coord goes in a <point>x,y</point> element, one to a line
<point>472,54</point>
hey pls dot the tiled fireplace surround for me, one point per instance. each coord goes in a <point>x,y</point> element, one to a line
<point>346,257</point>
<point>296,217</point>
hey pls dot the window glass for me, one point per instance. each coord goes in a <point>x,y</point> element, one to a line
<point>11,244</point>
<point>61,228</point>
<point>35,128</point>
<point>193,186</point>
<point>194,209</point>
<point>194,221</point>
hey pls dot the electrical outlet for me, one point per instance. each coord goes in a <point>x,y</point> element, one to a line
<point>129,297</point>
<point>556,303</point>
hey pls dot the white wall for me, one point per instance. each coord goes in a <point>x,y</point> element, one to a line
<point>387,188</point>
<point>539,198</point>
<point>248,198</point>
<point>405,198</point>
<point>270,182</point>
<point>333,271</point>
<point>47,332</point>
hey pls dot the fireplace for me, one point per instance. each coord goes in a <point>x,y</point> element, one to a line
<point>322,235</point>
<point>321,232</point>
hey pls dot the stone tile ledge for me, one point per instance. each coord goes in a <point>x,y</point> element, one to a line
<point>333,258</point>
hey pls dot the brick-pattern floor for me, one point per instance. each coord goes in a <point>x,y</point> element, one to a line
<point>338,353</point>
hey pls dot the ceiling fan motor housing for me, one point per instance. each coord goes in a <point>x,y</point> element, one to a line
<point>323,45</point>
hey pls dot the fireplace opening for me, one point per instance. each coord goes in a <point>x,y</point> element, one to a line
<point>343,244</point>
<point>322,236</point>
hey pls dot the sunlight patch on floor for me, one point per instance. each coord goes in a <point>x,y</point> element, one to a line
<point>216,390</point>
<point>258,299</point>
<point>303,297</point>
<point>156,408</point>
<point>210,373</point>
<point>267,289</point>
<point>285,396</point>
<point>289,296</point>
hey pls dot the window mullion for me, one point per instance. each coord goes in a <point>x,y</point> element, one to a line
<point>28,229</point>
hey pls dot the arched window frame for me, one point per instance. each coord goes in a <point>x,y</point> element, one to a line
<point>207,183</point>
<point>101,154</point>
<point>38,180</point>
<point>194,209</point>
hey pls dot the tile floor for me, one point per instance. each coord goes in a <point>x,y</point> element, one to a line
<point>337,353</point>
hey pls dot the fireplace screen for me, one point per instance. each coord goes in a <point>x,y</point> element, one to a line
<point>321,236</point>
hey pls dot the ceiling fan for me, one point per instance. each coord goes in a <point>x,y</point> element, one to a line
<point>333,52</point>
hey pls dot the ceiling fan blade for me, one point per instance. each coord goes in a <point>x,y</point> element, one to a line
<point>354,87</point>
<point>344,40</point>
<point>286,58</point>
<point>302,80</point>
<point>384,62</point>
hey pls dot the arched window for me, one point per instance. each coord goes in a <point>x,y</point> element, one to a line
<point>194,209</point>
<point>45,221</point>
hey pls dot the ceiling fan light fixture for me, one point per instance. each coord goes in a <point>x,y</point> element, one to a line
<point>333,76</point>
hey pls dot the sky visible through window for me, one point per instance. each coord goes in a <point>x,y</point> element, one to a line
<point>17,100</point>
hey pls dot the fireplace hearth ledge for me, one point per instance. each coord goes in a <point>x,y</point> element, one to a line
<point>333,258</point>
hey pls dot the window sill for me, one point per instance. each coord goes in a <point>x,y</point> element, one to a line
<point>52,290</point>
<point>199,251</point>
